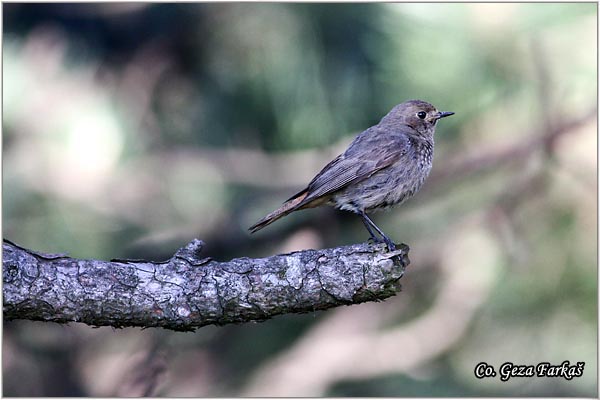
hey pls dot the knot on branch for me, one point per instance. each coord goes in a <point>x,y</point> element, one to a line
<point>191,253</point>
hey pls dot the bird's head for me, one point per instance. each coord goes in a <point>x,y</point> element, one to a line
<point>417,114</point>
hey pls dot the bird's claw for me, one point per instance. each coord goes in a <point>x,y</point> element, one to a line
<point>390,245</point>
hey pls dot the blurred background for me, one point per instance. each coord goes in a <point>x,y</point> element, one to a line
<point>130,129</point>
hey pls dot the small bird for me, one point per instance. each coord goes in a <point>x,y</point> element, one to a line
<point>384,165</point>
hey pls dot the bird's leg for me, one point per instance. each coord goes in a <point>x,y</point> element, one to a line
<point>368,224</point>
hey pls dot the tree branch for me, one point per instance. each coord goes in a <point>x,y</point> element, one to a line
<point>187,291</point>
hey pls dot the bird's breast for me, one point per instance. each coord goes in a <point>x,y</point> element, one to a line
<point>390,186</point>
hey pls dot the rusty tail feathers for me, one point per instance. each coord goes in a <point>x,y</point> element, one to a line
<point>289,206</point>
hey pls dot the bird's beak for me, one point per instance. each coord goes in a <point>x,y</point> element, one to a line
<point>443,114</point>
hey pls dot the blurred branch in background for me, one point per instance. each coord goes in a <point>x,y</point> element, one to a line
<point>494,158</point>
<point>144,372</point>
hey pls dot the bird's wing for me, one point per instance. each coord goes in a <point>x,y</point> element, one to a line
<point>369,153</point>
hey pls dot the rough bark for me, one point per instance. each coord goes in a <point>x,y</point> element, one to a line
<point>188,291</point>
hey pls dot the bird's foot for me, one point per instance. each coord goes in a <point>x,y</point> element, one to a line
<point>388,242</point>
<point>374,240</point>
<point>390,245</point>
<point>391,249</point>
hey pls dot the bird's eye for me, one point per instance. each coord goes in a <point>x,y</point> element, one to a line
<point>421,114</point>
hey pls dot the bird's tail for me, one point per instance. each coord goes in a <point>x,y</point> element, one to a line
<point>289,206</point>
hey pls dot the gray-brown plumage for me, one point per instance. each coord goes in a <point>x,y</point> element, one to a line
<point>382,167</point>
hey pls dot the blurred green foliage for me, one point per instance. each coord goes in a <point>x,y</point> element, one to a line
<point>130,128</point>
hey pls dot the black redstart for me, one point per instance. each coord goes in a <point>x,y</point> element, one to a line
<point>384,165</point>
